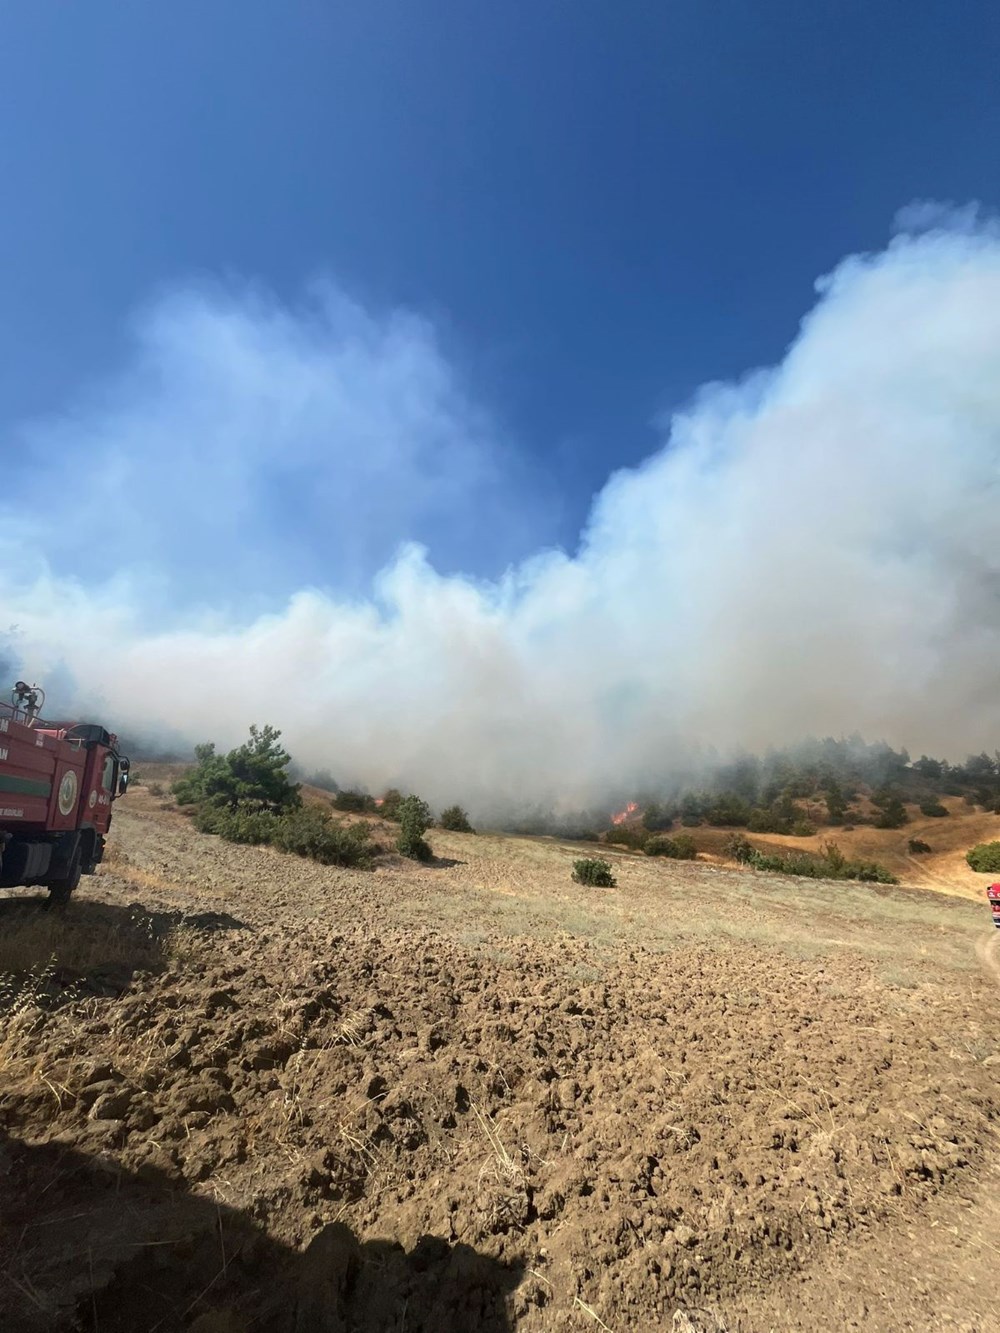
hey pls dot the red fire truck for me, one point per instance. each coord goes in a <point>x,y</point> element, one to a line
<point>57,784</point>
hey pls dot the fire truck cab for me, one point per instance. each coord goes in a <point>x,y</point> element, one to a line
<point>993,894</point>
<point>58,781</point>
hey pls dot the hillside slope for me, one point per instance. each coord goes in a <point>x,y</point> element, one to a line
<point>702,1089</point>
<point>945,869</point>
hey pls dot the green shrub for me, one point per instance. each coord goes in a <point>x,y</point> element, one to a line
<point>685,849</point>
<point>660,846</point>
<point>306,831</point>
<point>933,809</point>
<point>918,847</point>
<point>777,819</point>
<point>871,872</point>
<point>594,871</point>
<point>253,774</point>
<point>728,811</point>
<point>354,803</point>
<point>388,804</point>
<point>834,857</point>
<point>802,828</point>
<point>797,863</point>
<point>309,832</point>
<point>679,848</point>
<point>414,821</point>
<point>739,848</point>
<point>633,836</point>
<point>984,857</point>
<point>244,822</point>
<point>831,864</point>
<point>893,814</point>
<point>655,819</point>
<point>455,820</point>
<point>836,803</point>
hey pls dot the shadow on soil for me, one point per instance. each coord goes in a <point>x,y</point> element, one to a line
<point>88,947</point>
<point>93,1248</point>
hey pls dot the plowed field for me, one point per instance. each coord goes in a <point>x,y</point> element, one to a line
<point>257,1094</point>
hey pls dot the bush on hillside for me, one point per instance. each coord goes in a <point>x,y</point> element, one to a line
<point>893,814</point>
<point>834,857</point>
<point>830,864</point>
<point>354,803</point>
<point>633,836</point>
<point>795,863</point>
<point>783,816</point>
<point>679,848</point>
<point>761,821</point>
<point>414,821</point>
<point>933,809</point>
<point>728,811</point>
<point>984,857</point>
<point>594,871</point>
<point>738,848</point>
<point>388,806</point>
<point>836,802</point>
<point>309,832</point>
<point>918,847</point>
<point>305,830</point>
<point>871,872</point>
<point>252,775</point>
<point>455,820</point>
<point>655,818</point>
<point>244,822</point>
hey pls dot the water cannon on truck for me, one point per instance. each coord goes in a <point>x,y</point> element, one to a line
<point>58,781</point>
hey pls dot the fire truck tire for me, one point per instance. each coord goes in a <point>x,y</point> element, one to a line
<point>60,890</point>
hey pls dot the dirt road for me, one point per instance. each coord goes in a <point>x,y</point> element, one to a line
<point>988,953</point>
<point>473,1094</point>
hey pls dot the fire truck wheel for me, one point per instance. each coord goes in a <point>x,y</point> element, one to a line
<point>61,889</point>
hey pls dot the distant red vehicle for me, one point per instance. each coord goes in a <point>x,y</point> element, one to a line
<point>57,784</point>
<point>993,893</point>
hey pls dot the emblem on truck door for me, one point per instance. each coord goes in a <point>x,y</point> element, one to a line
<point>67,793</point>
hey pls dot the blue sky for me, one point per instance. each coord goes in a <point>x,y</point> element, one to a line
<point>511,236</point>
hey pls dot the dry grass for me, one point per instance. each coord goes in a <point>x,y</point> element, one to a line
<point>20,1002</point>
<point>521,888</point>
<point>115,855</point>
<point>77,940</point>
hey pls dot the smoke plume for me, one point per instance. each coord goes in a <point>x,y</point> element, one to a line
<point>813,550</point>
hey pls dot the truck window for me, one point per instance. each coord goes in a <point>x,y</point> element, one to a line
<point>108,776</point>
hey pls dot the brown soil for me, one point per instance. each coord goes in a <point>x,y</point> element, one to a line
<point>473,1095</point>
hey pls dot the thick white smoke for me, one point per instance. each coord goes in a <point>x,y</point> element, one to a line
<point>813,551</point>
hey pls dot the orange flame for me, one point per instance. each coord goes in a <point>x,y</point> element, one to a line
<point>622,815</point>
<point>379,800</point>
